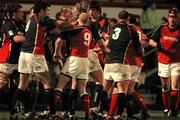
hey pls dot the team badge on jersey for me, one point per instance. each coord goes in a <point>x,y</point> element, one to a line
<point>10,32</point>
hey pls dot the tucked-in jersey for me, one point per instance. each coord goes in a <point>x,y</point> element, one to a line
<point>170,41</point>
<point>10,50</point>
<point>121,38</point>
<point>35,34</point>
<point>79,39</point>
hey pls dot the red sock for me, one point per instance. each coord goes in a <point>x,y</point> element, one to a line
<point>165,99</point>
<point>179,100</point>
<point>174,101</point>
<point>139,100</point>
<point>57,96</point>
<point>113,105</point>
<point>86,102</point>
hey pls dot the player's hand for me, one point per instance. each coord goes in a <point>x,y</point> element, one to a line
<point>106,49</point>
<point>57,57</point>
<point>159,46</point>
<point>144,44</point>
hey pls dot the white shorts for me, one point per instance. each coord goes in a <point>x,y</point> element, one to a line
<point>166,70</point>
<point>32,63</point>
<point>93,61</point>
<point>117,72</point>
<point>76,67</point>
<point>135,71</point>
<point>7,68</point>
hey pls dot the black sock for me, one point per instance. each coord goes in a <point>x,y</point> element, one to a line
<point>72,101</point>
<point>49,93</point>
<point>18,95</point>
<point>27,102</point>
<point>132,107</point>
<point>105,102</point>
<point>90,88</point>
<point>97,95</point>
<point>9,99</point>
<point>174,100</point>
<point>65,99</point>
<point>121,102</point>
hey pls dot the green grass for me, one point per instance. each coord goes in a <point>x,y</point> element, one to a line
<point>155,115</point>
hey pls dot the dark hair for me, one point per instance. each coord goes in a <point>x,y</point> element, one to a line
<point>13,8</point>
<point>173,10</point>
<point>32,8</point>
<point>96,5</point>
<point>133,19</point>
<point>40,4</point>
<point>123,15</point>
<point>3,13</point>
<point>57,15</point>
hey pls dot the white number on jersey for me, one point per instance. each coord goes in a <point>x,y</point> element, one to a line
<point>117,31</point>
<point>87,38</point>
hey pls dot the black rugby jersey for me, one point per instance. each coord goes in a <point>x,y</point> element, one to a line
<point>10,50</point>
<point>35,34</point>
<point>119,44</point>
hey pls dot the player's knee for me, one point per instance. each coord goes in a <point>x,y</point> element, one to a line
<point>175,87</point>
<point>83,94</point>
<point>165,87</point>
<point>2,86</point>
<point>3,83</point>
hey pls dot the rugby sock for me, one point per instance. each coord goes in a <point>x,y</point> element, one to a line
<point>139,100</point>
<point>121,103</point>
<point>72,101</point>
<point>18,95</point>
<point>49,93</point>
<point>97,95</point>
<point>86,102</point>
<point>178,100</point>
<point>105,102</point>
<point>27,102</point>
<point>65,99</point>
<point>113,105</point>
<point>174,100</point>
<point>90,88</point>
<point>11,93</point>
<point>128,105</point>
<point>165,99</point>
<point>57,95</point>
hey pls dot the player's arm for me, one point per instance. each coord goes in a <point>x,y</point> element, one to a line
<point>154,39</point>
<point>12,33</point>
<point>50,24</point>
<point>103,45</point>
<point>57,52</point>
<point>99,38</point>
<point>58,45</point>
<point>136,41</point>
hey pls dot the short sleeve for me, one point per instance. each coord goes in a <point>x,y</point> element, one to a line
<point>9,30</point>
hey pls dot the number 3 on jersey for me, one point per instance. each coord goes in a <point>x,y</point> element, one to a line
<point>117,31</point>
<point>87,38</point>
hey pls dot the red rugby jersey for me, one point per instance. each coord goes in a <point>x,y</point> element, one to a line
<point>170,40</point>
<point>136,59</point>
<point>79,39</point>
